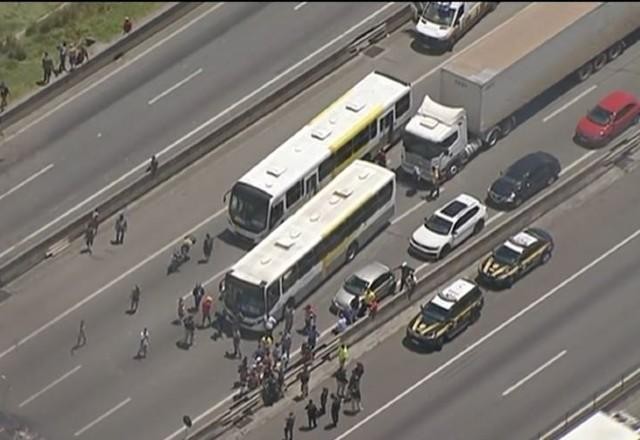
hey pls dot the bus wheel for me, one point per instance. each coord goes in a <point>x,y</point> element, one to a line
<point>600,61</point>
<point>352,251</point>
<point>615,51</point>
<point>585,71</point>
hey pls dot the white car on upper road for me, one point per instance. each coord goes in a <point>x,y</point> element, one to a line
<point>448,227</point>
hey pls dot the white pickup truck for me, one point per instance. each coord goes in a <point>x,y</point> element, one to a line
<point>441,24</point>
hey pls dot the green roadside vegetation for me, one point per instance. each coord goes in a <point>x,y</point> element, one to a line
<point>28,29</point>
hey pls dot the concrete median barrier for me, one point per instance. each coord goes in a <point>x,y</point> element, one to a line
<point>99,61</point>
<point>36,254</point>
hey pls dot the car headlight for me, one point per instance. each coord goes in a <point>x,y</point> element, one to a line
<point>430,335</point>
<point>511,197</point>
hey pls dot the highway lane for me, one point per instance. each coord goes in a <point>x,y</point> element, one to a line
<point>538,349</point>
<point>117,269</point>
<point>233,55</point>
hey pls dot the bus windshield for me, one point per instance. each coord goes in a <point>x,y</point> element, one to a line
<point>439,14</point>
<point>246,298</point>
<point>249,207</point>
<point>421,147</point>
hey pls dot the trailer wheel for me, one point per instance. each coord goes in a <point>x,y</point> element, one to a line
<point>615,51</point>
<point>507,125</point>
<point>492,137</point>
<point>600,61</point>
<point>585,71</point>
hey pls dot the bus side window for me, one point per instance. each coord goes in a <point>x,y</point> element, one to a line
<point>402,105</point>
<point>277,211</point>
<point>294,194</point>
<point>306,263</point>
<point>273,295</point>
<point>326,167</point>
<point>373,129</point>
<point>289,279</point>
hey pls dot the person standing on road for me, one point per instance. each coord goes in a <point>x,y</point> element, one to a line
<point>121,229</point>
<point>207,247</point>
<point>198,293</point>
<point>89,235</point>
<point>95,221</point>
<point>189,329</point>
<point>144,343</point>
<point>323,400</point>
<point>341,381</point>
<point>135,299</point>
<point>435,182</point>
<point>82,335</point>
<point>236,342</point>
<point>312,414</point>
<point>288,426</point>
<point>343,355</point>
<point>181,311</point>
<point>304,377</point>
<point>207,304</point>
<point>4,95</point>
<point>312,337</point>
<point>336,403</point>
<point>285,342</point>
<point>288,317</point>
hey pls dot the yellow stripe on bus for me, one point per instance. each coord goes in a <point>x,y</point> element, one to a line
<point>332,106</point>
<point>372,114</point>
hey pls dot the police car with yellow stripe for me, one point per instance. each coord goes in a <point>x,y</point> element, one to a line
<point>446,315</point>
<point>515,257</point>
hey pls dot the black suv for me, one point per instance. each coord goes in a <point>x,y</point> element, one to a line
<point>523,179</point>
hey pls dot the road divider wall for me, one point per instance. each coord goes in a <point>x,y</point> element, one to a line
<point>126,43</point>
<point>240,414</point>
<point>74,229</point>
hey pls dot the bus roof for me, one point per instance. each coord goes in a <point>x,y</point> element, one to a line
<point>523,34</point>
<point>601,426</point>
<point>303,230</point>
<point>314,142</point>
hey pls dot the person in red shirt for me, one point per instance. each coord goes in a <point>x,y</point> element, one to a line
<point>207,305</point>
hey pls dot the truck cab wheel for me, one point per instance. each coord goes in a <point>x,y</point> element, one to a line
<point>492,137</point>
<point>452,170</point>
<point>507,125</point>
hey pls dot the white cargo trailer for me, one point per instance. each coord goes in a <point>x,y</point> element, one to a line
<point>482,90</point>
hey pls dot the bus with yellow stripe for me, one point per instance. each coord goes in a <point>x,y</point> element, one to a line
<point>364,120</point>
<point>310,246</point>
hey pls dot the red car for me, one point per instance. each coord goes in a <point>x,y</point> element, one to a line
<point>613,115</point>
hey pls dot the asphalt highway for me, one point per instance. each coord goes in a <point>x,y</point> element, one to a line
<point>160,98</point>
<point>540,348</point>
<point>101,382</point>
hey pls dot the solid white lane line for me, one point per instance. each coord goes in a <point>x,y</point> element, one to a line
<point>102,417</point>
<point>457,54</point>
<point>535,372</point>
<point>408,212</point>
<point>299,5</point>
<point>207,282</point>
<point>175,86</point>
<point>569,103</point>
<point>26,181</point>
<point>48,387</point>
<point>196,130</point>
<point>577,162</point>
<point>215,407</point>
<point>114,72</point>
<point>107,286</point>
<point>489,335</point>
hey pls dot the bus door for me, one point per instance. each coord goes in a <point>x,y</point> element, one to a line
<point>386,127</point>
<point>311,185</point>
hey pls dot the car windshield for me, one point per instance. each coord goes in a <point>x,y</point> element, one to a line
<point>355,285</point>
<point>506,256</point>
<point>421,147</point>
<point>249,207</point>
<point>439,225</point>
<point>244,297</point>
<point>600,116</point>
<point>432,313</point>
<point>438,13</point>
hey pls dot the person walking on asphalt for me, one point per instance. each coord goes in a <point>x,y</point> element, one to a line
<point>323,400</point>
<point>189,331</point>
<point>121,229</point>
<point>435,183</point>
<point>342,381</point>
<point>135,299</point>
<point>207,247</point>
<point>181,309</point>
<point>153,165</point>
<point>343,355</point>
<point>95,221</point>
<point>144,343</point>
<point>304,377</point>
<point>336,403</point>
<point>288,317</point>
<point>82,336</point>
<point>288,426</point>
<point>312,337</point>
<point>285,342</point>
<point>89,235</point>
<point>4,95</point>
<point>207,304</point>
<point>198,293</point>
<point>236,342</point>
<point>312,414</point>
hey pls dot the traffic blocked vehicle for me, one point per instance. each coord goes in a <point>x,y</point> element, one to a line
<point>516,257</point>
<point>446,315</point>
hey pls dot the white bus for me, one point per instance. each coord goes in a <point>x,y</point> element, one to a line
<point>367,118</point>
<point>308,247</point>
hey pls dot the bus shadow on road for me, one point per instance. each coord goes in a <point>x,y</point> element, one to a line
<point>231,239</point>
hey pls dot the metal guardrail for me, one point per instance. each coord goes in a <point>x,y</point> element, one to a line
<point>435,278</point>
<point>615,390</point>
<point>126,43</point>
<point>74,229</point>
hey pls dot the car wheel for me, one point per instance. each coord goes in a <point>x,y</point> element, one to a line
<point>545,257</point>
<point>475,315</point>
<point>517,202</point>
<point>445,251</point>
<point>438,343</point>
<point>352,251</point>
<point>509,282</point>
<point>478,227</point>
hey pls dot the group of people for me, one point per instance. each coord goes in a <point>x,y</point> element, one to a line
<point>69,57</point>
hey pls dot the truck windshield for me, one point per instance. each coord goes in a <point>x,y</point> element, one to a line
<point>241,296</point>
<point>439,14</point>
<point>421,147</point>
<point>249,207</point>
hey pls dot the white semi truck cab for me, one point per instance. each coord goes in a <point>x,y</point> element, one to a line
<point>441,24</point>
<point>437,136</point>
